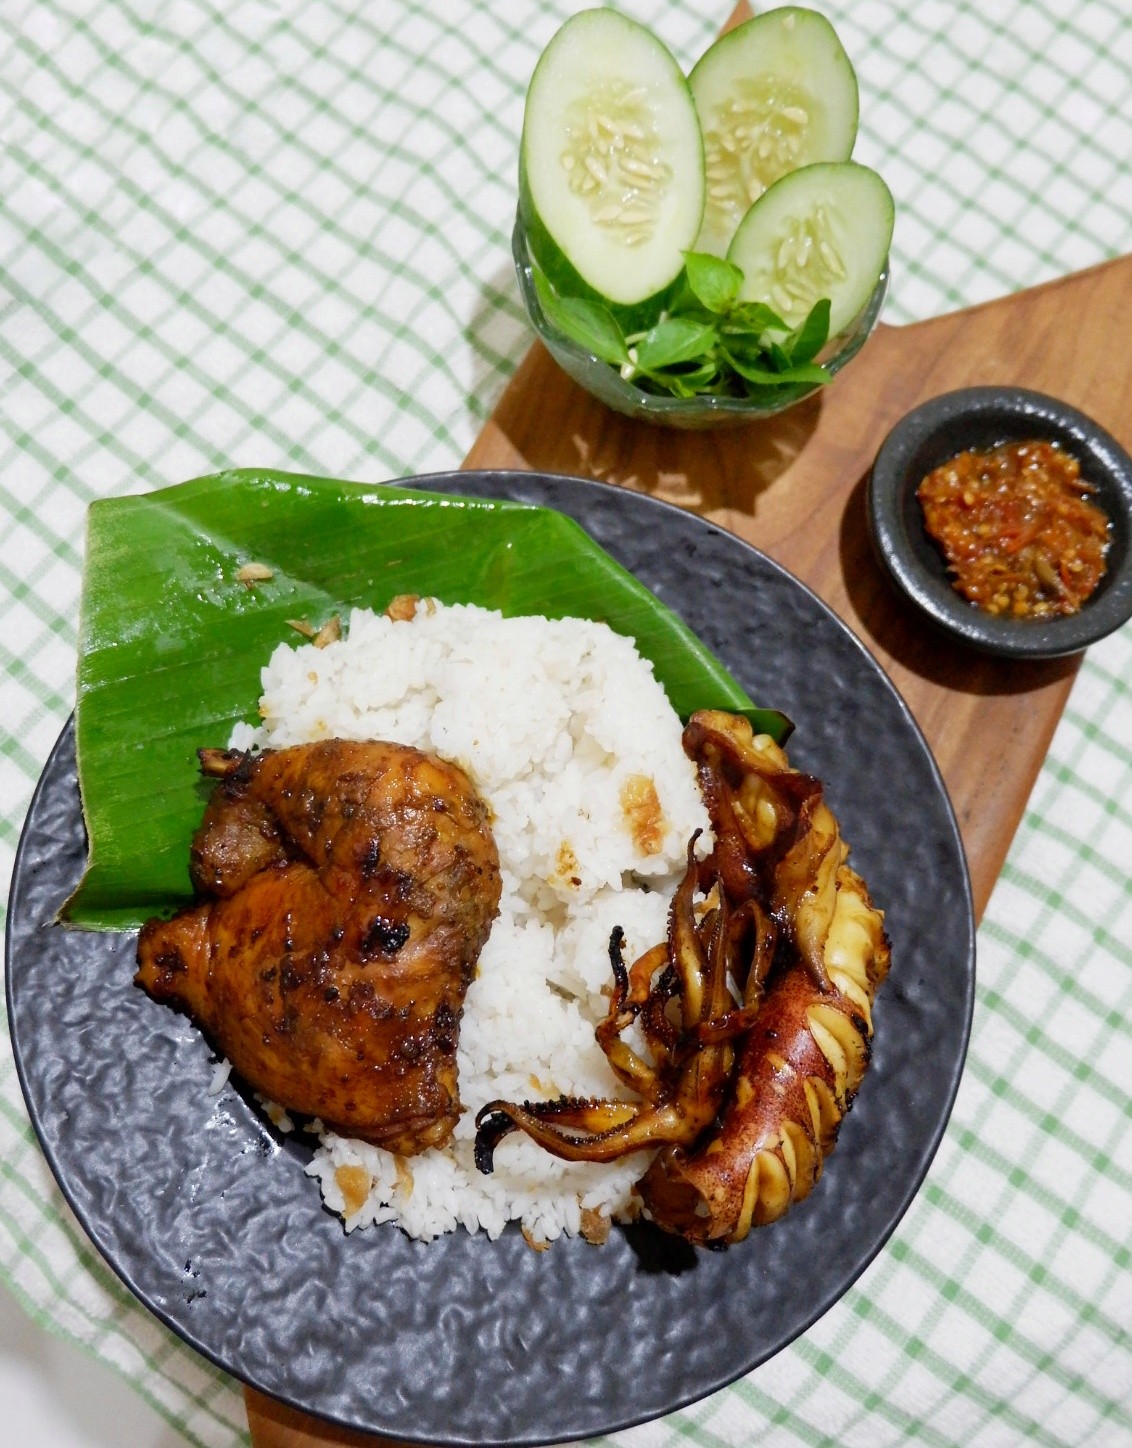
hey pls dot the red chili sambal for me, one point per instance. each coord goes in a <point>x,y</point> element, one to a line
<point>1016,528</point>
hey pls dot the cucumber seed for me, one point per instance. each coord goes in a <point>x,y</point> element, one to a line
<point>611,160</point>
<point>752,139</point>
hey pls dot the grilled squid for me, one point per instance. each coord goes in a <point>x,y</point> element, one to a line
<point>756,1012</point>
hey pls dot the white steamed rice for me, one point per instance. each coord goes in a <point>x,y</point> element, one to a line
<point>550,719</point>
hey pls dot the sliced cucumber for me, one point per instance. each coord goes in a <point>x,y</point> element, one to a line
<point>611,170</point>
<point>822,231</point>
<point>774,94</point>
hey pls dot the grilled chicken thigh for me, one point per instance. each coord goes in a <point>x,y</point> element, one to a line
<point>350,888</point>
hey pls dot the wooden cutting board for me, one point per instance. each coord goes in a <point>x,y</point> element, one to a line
<point>793,486</point>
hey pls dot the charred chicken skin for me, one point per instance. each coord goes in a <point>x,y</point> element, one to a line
<point>349,889</point>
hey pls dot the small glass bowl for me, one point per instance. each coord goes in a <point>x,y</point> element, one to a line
<point>605,382</point>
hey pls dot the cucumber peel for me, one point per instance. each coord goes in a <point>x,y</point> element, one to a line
<point>611,173</point>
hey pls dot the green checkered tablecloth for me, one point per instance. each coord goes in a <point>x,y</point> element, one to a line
<point>277,234</point>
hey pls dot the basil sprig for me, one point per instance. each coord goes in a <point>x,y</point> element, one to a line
<point>705,342</point>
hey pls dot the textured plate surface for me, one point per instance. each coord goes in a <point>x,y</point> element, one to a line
<point>205,1212</point>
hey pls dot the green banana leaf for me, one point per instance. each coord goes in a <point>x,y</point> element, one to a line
<point>172,641</point>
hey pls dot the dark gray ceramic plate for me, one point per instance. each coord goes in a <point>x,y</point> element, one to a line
<point>204,1212</point>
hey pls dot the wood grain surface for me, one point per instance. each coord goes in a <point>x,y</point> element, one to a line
<point>794,487</point>
<point>275,1426</point>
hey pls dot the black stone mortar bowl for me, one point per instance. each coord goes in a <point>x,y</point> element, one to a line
<point>982,418</point>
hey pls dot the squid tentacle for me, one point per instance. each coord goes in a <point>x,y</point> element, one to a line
<point>641,1129</point>
<point>774,982</point>
<point>630,995</point>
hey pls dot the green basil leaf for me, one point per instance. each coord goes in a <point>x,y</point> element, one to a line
<point>684,301</point>
<point>588,323</point>
<point>755,318</point>
<point>777,355</point>
<point>676,339</point>
<point>689,383</point>
<point>809,372</point>
<point>670,382</point>
<point>703,376</point>
<point>748,347</point>
<point>768,376</point>
<point>715,281</point>
<point>812,335</point>
<point>778,396</point>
